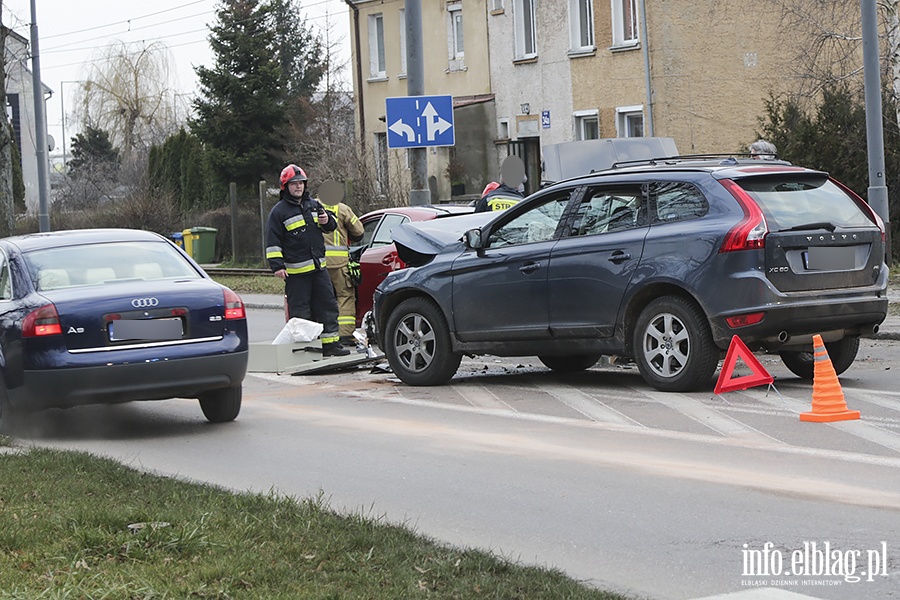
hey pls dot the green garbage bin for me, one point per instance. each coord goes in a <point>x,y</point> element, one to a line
<point>203,244</point>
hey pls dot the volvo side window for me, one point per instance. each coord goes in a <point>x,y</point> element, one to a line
<point>678,201</point>
<point>605,210</point>
<point>539,223</point>
<point>5,280</point>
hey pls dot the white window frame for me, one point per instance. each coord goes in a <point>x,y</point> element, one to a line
<point>625,31</point>
<point>581,25</point>
<point>402,18</point>
<point>525,35</point>
<point>455,36</point>
<point>625,116</point>
<point>495,6</point>
<point>583,118</point>
<point>377,66</point>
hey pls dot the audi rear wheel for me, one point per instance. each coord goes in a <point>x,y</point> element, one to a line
<point>842,354</point>
<point>222,405</point>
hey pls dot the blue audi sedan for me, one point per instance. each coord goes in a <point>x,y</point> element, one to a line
<point>100,316</point>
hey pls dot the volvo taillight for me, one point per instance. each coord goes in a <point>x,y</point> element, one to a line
<point>750,232</point>
<point>234,306</point>
<point>42,321</point>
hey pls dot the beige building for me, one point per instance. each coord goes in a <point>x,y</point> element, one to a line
<point>455,63</point>
<point>698,71</point>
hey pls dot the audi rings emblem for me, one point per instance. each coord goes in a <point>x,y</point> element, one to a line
<point>144,302</point>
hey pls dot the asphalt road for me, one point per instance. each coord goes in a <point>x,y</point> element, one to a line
<point>661,495</point>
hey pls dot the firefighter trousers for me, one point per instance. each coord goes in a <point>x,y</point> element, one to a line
<point>345,292</point>
<point>310,296</point>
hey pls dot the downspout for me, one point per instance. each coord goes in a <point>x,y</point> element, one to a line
<point>645,46</point>
<point>359,78</point>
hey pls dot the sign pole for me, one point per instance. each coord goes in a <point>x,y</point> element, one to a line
<point>415,86</point>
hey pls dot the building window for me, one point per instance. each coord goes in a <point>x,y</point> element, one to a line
<point>587,125</point>
<point>581,24</point>
<point>382,180</point>
<point>455,39</point>
<point>525,38</point>
<point>376,46</point>
<point>495,6</point>
<point>630,121</point>
<point>625,22</point>
<point>402,17</point>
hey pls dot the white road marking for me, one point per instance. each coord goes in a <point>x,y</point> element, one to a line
<point>709,417</point>
<point>479,396</point>
<point>587,405</point>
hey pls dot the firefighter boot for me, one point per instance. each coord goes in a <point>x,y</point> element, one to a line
<point>334,349</point>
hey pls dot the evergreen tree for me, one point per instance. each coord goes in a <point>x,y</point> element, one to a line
<point>299,52</point>
<point>240,113</point>
<point>92,153</point>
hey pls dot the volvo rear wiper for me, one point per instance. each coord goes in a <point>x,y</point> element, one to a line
<point>817,225</point>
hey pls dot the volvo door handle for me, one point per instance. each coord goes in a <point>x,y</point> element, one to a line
<point>530,267</point>
<point>618,256</point>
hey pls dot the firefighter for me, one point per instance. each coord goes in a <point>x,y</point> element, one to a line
<point>296,254</point>
<point>337,254</point>
<point>512,176</point>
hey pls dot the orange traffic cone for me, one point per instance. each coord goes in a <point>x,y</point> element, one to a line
<point>828,397</point>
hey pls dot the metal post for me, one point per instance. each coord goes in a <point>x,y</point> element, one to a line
<point>40,124</point>
<point>415,86</point>
<point>232,192</point>
<point>262,217</point>
<point>877,194</point>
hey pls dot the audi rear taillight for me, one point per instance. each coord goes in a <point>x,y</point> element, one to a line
<point>234,306</point>
<point>750,233</point>
<point>42,321</point>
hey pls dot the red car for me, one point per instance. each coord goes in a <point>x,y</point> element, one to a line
<point>379,256</point>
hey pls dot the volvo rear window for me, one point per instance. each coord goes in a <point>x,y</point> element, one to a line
<point>792,201</point>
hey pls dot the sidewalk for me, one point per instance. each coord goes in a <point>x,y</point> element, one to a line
<point>889,330</point>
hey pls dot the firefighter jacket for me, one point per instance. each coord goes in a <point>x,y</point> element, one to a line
<point>337,242</point>
<point>294,237</point>
<point>500,199</point>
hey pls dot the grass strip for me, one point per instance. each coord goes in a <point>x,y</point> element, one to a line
<point>64,533</point>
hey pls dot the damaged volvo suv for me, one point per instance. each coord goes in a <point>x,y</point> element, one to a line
<point>661,261</point>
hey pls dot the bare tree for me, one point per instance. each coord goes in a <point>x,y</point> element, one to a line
<point>827,44</point>
<point>128,93</point>
<point>6,142</point>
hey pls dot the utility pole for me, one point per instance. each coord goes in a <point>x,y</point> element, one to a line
<point>415,86</point>
<point>877,194</point>
<point>40,124</point>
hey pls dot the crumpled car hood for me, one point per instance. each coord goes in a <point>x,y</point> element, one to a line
<point>419,242</point>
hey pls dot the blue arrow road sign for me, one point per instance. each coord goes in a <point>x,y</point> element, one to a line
<point>419,121</point>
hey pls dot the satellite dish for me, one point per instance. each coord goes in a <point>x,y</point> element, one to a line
<point>51,143</point>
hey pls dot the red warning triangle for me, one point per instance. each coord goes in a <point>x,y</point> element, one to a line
<point>738,349</point>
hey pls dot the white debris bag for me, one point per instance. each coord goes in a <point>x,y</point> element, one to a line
<point>298,330</point>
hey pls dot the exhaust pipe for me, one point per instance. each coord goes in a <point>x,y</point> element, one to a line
<point>783,337</point>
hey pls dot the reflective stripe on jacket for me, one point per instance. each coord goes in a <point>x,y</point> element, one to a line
<point>337,242</point>
<point>294,239</point>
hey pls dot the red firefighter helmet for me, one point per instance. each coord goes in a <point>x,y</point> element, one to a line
<point>489,188</point>
<point>292,173</point>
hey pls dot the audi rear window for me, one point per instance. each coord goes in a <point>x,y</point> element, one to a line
<point>793,201</point>
<point>106,263</point>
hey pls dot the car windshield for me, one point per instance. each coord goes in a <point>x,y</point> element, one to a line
<point>104,263</point>
<point>795,202</point>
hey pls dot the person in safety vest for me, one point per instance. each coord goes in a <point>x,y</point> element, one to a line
<point>337,255</point>
<point>512,176</point>
<point>296,254</point>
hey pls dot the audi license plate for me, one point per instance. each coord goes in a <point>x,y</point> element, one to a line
<point>145,329</point>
